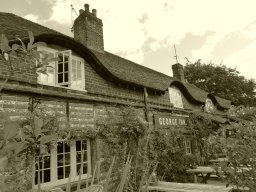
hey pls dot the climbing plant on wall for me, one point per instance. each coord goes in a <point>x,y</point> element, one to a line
<point>122,133</point>
<point>23,53</point>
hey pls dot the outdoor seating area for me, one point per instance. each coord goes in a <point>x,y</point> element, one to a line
<point>187,187</point>
<point>204,171</point>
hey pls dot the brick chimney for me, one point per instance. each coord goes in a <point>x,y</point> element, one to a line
<point>178,72</point>
<point>88,29</point>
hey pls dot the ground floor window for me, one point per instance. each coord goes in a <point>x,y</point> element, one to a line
<point>62,162</point>
<point>187,145</point>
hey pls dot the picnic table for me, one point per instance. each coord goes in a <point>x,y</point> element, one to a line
<point>162,186</point>
<point>203,171</point>
<point>219,160</point>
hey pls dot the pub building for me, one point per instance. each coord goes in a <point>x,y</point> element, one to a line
<point>86,82</point>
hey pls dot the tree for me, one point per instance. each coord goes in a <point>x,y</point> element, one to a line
<point>222,81</point>
<point>239,147</point>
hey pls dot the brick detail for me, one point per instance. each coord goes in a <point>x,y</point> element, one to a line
<point>96,84</point>
<point>14,107</point>
<point>88,29</point>
<point>81,115</point>
<point>55,108</point>
<point>24,69</point>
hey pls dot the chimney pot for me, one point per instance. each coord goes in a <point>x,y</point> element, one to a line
<point>81,11</point>
<point>94,12</point>
<point>86,7</point>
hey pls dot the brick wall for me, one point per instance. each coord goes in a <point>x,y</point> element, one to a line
<point>24,69</point>
<point>88,29</point>
<point>14,106</point>
<point>94,83</point>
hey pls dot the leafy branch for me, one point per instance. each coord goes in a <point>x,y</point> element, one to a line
<point>7,52</point>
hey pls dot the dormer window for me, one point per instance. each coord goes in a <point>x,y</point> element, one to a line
<point>209,106</point>
<point>175,97</point>
<point>68,71</point>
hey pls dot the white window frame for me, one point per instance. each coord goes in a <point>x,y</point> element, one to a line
<point>69,84</point>
<point>67,53</point>
<point>54,181</point>
<point>175,97</point>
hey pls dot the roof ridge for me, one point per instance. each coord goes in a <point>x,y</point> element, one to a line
<point>32,22</point>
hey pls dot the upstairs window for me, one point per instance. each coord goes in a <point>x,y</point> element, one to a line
<point>68,71</point>
<point>175,97</point>
<point>63,69</point>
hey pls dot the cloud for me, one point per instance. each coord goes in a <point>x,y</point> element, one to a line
<point>32,17</point>
<point>244,60</point>
<point>200,28</point>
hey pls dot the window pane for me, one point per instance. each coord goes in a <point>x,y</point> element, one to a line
<point>36,177</point>
<point>47,175</point>
<point>60,147</point>
<point>47,162</point>
<point>85,145</point>
<point>60,56</point>
<point>78,157</point>
<point>65,58</point>
<point>67,159</point>
<point>78,169</point>
<point>85,168</point>
<point>36,164</point>
<point>60,68</point>
<point>65,77</point>
<point>60,160</point>
<point>78,145</point>
<point>65,66</point>
<point>60,173</point>
<point>66,147</point>
<point>67,171</point>
<point>40,162</point>
<point>85,155</point>
<point>60,78</point>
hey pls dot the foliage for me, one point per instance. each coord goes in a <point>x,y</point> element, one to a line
<point>239,147</point>
<point>21,141</point>
<point>222,81</point>
<point>121,134</point>
<point>201,129</point>
<point>22,51</point>
<point>167,147</point>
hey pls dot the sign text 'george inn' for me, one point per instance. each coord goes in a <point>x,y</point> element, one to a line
<point>165,121</point>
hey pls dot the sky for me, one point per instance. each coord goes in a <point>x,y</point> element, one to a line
<point>145,31</point>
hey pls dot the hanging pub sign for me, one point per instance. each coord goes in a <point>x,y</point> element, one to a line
<point>167,120</point>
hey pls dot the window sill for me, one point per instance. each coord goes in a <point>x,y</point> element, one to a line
<point>69,89</point>
<point>62,183</point>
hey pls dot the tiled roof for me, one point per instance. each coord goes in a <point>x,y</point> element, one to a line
<point>198,95</point>
<point>111,66</point>
<point>134,73</point>
<point>14,26</point>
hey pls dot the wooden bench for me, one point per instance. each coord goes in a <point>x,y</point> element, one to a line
<point>204,172</point>
<point>186,187</point>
